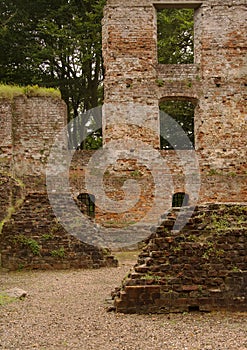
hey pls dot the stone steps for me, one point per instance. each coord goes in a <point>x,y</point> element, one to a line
<point>197,266</point>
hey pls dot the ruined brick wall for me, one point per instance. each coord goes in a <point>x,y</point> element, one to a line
<point>202,267</point>
<point>221,119</point>
<point>6,147</point>
<point>28,129</point>
<point>11,196</point>
<point>35,123</point>
<point>135,84</point>
<point>175,271</point>
<point>30,236</point>
<point>129,47</point>
<point>215,186</point>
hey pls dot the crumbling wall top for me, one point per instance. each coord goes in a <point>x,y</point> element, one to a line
<point>159,4</point>
<point>156,3</point>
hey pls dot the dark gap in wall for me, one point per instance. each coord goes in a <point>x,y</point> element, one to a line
<point>177,124</point>
<point>194,308</point>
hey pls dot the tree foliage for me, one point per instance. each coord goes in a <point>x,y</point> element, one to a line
<point>55,44</point>
<point>175,36</point>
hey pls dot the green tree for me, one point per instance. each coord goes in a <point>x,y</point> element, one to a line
<point>54,44</point>
<point>175,36</point>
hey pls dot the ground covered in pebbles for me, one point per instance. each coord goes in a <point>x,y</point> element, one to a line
<point>67,310</point>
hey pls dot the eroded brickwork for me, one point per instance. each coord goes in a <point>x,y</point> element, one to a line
<point>6,134</point>
<point>216,81</point>
<point>30,235</point>
<point>29,126</point>
<point>33,239</point>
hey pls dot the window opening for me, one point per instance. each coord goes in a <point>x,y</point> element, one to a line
<point>180,199</point>
<point>88,204</point>
<point>85,131</point>
<point>175,35</point>
<point>178,134</point>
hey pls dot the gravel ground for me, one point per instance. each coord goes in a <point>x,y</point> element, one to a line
<point>67,310</point>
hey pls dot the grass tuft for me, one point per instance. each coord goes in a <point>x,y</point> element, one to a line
<point>5,299</point>
<point>12,91</point>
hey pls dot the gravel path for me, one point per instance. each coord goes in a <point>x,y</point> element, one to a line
<point>67,310</point>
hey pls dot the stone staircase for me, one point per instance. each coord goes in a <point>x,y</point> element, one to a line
<point>201,267</point>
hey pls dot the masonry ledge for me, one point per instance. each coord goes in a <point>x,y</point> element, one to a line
<point>161,4</point>
<point>129,3</point>
<point>178,71</point>
<point>158,4</point>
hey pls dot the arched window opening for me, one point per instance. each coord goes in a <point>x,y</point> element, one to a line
<point>87,204</point>
<point>180,199</point>
<point>177,124</point>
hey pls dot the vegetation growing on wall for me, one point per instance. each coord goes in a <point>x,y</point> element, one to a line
<point>9,201</point>
<point>11,91</point>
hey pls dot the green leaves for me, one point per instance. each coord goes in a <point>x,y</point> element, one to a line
<point>175,36</point>
<point>54,44</point>
<point>175,46</point>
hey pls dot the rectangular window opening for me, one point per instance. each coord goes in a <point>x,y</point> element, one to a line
<point>87,204</point>
<point>175,34</point>
<point>177,124</point>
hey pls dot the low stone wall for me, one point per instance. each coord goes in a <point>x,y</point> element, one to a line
<point>203,267</point>
<point>33,239</point>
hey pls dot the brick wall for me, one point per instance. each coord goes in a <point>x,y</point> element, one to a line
<point>30,236</point>
<point>35,122</point>
<point>202,267</point>
<point>222,185</point>
<point>33,239</point>
<point>6,146</point>
<point>11,195</point>
<point>135,84</point>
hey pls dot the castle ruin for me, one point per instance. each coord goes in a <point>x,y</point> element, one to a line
<point>195,258</point>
